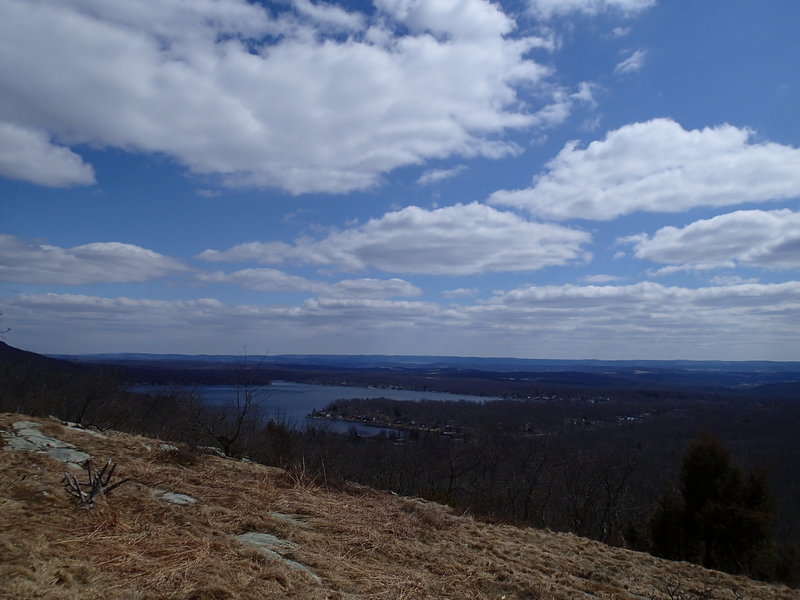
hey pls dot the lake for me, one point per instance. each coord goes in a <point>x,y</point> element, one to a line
<point>290,402</point>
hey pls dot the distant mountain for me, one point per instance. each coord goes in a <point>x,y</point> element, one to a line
<point>14,356</point>
<point>416,362</point>
<point>505,375</point>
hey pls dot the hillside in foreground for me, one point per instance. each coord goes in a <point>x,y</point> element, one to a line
<point>198,526</point>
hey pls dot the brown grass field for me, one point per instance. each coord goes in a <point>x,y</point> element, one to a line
<point>361,543</point>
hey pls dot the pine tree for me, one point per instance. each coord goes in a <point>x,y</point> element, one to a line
<point>721,519</point>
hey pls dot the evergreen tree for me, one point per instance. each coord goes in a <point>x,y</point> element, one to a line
<point>721,519</point>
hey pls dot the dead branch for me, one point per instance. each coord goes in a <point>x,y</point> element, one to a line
<point>99,483</point>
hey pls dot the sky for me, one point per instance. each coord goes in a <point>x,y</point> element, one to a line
<point>610,179</point>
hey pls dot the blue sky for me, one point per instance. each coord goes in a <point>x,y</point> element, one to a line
<point>612,179</point>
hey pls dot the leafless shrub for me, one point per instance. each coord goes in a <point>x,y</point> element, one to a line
<point>98,484</point>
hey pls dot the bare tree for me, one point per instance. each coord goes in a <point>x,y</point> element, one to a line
<point>227,424</point>
<point>7,329</point>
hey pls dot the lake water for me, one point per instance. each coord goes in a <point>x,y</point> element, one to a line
<point>290,402</point>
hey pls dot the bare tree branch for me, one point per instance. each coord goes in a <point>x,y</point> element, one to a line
<point>99,483</point>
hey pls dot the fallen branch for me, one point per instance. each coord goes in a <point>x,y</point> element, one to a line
<point>99,483</point>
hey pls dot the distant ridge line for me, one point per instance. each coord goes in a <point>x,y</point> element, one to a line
<point>423,361</point>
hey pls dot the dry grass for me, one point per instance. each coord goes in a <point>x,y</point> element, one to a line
<point>361,542</point>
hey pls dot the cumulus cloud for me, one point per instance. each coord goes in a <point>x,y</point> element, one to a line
<point>456,240</point>
<point>28,154</point>
<point>753,238</point>
<point>547,9</point>
<point>310,99</point>
<point>633,63</point>
<point>99,262</point>
<point>657,166</point>
<point>273,280</point>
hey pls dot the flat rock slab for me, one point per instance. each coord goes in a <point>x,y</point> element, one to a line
<point>174,498</point>
<point>27,436</point>
<point>265,541</point>
<point>274,547</point>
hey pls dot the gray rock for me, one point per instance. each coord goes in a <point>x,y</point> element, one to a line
<point>274,547</point>
<point>27,436</point>
<point>265,541</point>
<point>70,456</point>
<point>174,498</point>
<point>18,443</point>
<point>42,441</point>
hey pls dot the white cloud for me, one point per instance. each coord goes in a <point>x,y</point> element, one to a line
<point>313,99</point>
<point>29,155</point>
<point>108,262</point>
<point>263,280</point>
<point>328,15</point>
<point>454,18</point>
<point>585,93</point>
<point>371,288</point>
<point>696,269</point>
<point>547,9</point>
<point>263,252</point>
<point>633,63</point>
<point>645,320</point>
<point>658,166</point>
<point>730,280</point>
<point>651,320</point>
<point>562,105</point>
<point>754,238</point>
<point>207,325</point>
<point>456,240</point>
<point>436,175</point>
<point>273,280</point>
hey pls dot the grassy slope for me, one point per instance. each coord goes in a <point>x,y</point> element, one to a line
<point>362,543</point>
